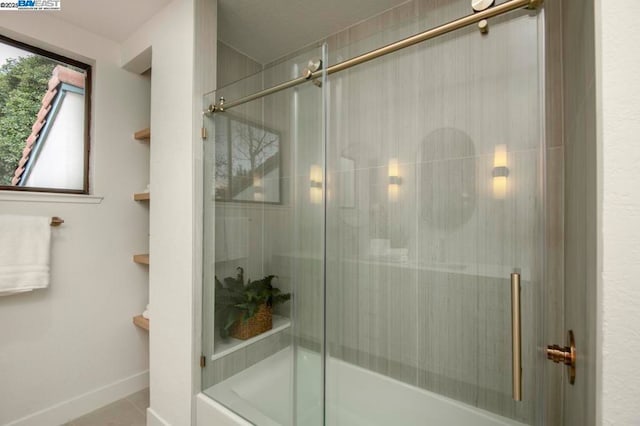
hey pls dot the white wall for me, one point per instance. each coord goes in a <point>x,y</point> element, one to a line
<point>72,348</point>
<point>177,85</point>
<point>618,37</point>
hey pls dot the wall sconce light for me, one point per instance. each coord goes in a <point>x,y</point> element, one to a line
<point>500,172</point>
<point>315,184</point>
<point>258,190</point>
<point>394,179</point>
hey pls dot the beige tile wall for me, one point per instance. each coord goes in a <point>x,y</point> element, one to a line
<point>578,42</point>
<point>441,321</point>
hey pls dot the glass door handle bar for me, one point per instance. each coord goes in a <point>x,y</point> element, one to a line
<point>438,31</point>
<point>516,338</point>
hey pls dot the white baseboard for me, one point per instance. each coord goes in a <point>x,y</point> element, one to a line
<point>153,419</point>
<point>75,407</point>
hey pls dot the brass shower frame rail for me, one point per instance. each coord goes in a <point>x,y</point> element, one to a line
<point>466,21</point>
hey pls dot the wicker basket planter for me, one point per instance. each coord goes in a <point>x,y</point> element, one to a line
<point>259,323</point>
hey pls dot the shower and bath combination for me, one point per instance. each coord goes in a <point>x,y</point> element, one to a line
<point>400,194</point>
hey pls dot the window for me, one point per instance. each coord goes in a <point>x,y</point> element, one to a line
<point>44,120</point>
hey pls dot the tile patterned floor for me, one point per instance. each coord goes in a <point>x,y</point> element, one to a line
<point>129,411</point>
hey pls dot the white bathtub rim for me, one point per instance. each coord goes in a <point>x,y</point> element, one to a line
<point>232,401</point>
<point>209,411</point>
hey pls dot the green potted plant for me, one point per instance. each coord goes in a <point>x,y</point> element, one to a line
<point>244,311</point>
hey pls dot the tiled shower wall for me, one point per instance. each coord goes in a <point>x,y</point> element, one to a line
<point>581,183</point>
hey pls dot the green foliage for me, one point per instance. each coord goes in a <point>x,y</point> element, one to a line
<point>23,83</point>
<point>234,299</point>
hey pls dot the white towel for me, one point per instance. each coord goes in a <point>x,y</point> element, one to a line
<point>24,253</point>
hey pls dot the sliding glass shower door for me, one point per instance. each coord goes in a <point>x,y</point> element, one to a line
<point>374,238</point>
<point>263,311</point>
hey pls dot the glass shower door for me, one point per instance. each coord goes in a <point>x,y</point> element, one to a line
<point>435,177</point>
<point>397,235</point>
<point>264,235</point>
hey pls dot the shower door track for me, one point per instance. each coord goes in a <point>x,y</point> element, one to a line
<point>308,74</point>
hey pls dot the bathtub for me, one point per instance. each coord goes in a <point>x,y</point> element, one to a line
<point>355,396</point>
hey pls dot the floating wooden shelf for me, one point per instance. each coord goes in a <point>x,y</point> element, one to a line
<point>142,135</point>
<point>142,259</point>
<point>141,322</point>
<point>142,196</point>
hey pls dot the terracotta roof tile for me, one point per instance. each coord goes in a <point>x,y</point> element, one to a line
<point>48,97</point>
<point>69,76</point>
<point>37,126</point>
<point>60,74</point>
<point>19,172</point>
<point>30,141</point>
<point>53,83</point>
<point>43,112</point>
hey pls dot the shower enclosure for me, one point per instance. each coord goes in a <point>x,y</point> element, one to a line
<point>401,203</point>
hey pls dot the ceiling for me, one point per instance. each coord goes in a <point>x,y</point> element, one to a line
<point>113,19</point>
<point>268,30</point>
<point>263,30</point>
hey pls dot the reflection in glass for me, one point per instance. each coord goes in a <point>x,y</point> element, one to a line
<point>263,243</point>
<point>247,161</point>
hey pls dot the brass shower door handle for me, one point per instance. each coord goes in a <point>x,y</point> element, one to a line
<point>516,338</point>
<point>565,355</point>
